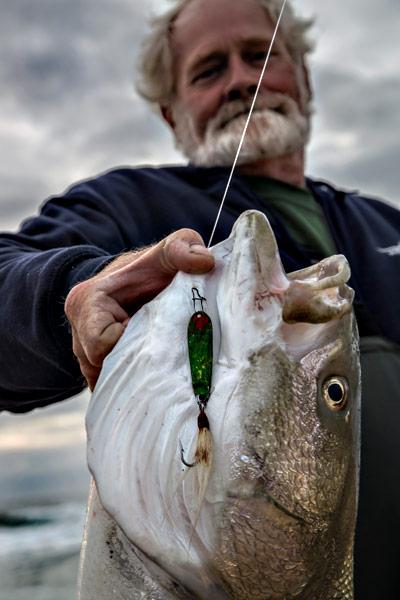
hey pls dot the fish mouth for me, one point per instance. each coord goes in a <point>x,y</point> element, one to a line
<point>268,503</point>
<point>283,509</point>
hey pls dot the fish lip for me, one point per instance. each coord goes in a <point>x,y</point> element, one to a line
<point>286,511</point>
<point>267,498</point>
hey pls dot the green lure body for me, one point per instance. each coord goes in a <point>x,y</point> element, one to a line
<point>200,343</point>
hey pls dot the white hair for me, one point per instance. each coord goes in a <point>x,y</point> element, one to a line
<point>156,69</point>
<point>272,133</point>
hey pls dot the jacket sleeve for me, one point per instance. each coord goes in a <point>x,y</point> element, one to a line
<point>71,240</point>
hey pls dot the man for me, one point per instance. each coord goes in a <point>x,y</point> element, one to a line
<point>201,68</point>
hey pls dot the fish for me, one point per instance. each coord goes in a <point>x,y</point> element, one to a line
<point>272,515</point>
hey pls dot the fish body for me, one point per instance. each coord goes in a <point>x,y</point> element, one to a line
<point>272,516</point>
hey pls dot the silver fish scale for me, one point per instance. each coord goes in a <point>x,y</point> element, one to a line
<point>298,543</point>
<point>278,516</point>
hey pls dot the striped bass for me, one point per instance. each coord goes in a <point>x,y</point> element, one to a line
<point>272,515</point>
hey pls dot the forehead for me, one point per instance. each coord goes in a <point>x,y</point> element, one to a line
<point>209,25</point>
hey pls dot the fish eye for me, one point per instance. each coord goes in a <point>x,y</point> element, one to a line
<point>335,392</point>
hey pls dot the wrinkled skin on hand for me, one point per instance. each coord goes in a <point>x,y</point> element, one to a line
<point>99,309</point>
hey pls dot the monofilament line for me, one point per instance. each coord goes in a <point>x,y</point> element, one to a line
<point>247,123</point>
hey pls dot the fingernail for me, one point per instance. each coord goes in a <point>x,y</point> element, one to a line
<point>198,249</point>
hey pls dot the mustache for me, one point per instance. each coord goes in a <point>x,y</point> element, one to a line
<point>278,103</point>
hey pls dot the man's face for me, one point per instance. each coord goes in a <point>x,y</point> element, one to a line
<point>219,47</point>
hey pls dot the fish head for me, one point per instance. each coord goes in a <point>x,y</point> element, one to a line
<point>273,514</point>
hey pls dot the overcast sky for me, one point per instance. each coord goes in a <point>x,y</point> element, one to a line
<point>68,110</point>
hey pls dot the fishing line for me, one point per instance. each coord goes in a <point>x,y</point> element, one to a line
<point>199,332</point>
<point>246,124</point>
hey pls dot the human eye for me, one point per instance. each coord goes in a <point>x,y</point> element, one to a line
<point>256,56</point>
<point>207,72</point>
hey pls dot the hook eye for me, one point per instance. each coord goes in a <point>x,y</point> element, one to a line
<point>197,297</point>
<point>335,392</point>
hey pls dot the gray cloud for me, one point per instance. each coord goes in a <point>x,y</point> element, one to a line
<point>68,110</point>
<point>357,120</point>
<point>68,107</point>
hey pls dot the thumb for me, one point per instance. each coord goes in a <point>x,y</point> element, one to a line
<point>184,250</point>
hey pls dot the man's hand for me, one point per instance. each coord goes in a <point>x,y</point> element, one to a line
<point>99,308</point>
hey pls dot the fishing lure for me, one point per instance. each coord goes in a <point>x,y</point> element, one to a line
<point>200,326</point>
<point>200,346</point>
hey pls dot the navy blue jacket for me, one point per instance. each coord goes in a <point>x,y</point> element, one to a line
<point>78,233</point>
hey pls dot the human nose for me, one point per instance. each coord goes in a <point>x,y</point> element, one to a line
<point>242,81</point>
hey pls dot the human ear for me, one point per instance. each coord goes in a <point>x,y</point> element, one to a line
<point>306,80</point>
<point>304,85</point>
<point>166,112</point>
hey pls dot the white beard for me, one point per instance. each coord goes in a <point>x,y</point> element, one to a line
<point>276,128</point>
